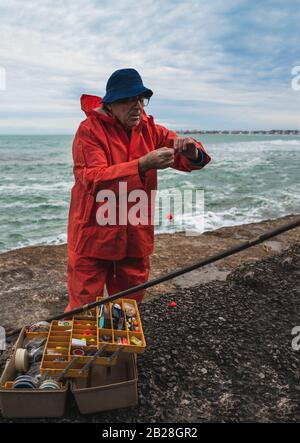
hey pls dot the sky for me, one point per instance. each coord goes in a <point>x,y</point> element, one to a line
<point>231,64</point>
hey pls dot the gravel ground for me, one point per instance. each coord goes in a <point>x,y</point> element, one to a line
<point>223,354</point>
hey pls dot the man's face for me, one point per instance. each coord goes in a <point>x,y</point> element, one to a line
<point>128,111</point>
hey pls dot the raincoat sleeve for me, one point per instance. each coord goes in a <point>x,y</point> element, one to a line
<point>92,169</point>
<point>165,137</point>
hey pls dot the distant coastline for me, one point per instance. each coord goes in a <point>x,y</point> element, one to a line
<point>237,132</point>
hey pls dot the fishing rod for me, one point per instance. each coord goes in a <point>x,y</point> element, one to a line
<point>199,264</point>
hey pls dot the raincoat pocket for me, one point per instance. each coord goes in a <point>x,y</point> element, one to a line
<point>103,242</point>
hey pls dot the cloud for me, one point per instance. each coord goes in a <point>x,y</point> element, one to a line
<point>208,62</point>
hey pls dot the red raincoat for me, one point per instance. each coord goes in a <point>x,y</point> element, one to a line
<point>103,157</point>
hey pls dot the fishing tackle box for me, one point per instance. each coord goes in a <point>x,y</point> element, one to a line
<point>27,403</point>
<point>109,384</point>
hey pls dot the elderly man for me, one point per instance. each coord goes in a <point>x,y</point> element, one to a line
<point>118,149</point>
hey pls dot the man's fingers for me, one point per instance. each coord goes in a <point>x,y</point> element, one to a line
<point>165,151</point>
<point>165,157</point>
<point>167,161</point>
<point>179,144</point>
<point>169,152</point>
<point>188,143</point>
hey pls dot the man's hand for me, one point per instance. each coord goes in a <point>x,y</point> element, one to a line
<point>159,159</point>
<point>187,147</point>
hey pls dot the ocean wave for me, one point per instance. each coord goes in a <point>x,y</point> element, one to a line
<point>281,142</point>
<point>36,187</point>
<point>256,144</point>
<point>42,206</point>
<point>42,241</point>
<point>265,208</point>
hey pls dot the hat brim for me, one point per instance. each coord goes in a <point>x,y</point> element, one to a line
<point>115,95</point>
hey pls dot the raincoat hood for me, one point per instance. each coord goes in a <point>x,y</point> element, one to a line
<point>92,105</point>
<point>89,103</point>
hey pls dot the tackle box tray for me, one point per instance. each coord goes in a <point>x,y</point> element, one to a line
<point>64,338</point>
<point>27,403</point>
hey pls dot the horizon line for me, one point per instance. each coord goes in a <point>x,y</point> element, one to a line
<point>196,131</point>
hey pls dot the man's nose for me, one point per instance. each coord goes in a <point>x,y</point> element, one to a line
<point>138,106</point>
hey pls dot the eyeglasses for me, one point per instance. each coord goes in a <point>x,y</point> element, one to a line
<point>144,101</point>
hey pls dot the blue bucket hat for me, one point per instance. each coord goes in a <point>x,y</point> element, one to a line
<point>125,83</point>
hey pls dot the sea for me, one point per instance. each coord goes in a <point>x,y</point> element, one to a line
<point>250,178</point>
